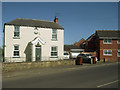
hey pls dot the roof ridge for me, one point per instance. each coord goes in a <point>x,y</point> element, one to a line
<point>107,30</point>
<point>35,19</point>
<point>35,23</point>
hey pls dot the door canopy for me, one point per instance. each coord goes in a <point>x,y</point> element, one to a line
<point>38,39</point>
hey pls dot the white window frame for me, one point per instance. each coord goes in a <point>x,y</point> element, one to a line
<point>54,35</point>
<point>17,30</point>
<point>56,51</point>
<point>118,41</point>
<point>107,41</point>
<point>107,53</point>
<point>117,52</point>
<point>16,51</point>
<point>35,28</point>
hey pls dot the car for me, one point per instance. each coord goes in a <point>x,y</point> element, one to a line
<point>89,55</point>
<point>85,58</point>
<point>66,55</point>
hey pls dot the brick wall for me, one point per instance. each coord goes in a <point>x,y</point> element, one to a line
<point>90,45</point>
<point>114,47</point>
<point>7,67</point>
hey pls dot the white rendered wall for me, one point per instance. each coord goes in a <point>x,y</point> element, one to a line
<point>26,36</point>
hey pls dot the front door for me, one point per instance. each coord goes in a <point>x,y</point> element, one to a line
<point>38,53</point>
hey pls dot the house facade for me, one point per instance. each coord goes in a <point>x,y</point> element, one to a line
<point>106,44</point>
<point>33,40</point>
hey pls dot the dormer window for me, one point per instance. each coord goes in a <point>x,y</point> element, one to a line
<point>16,32</point>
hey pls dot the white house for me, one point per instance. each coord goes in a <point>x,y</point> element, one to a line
<point>33,40</point>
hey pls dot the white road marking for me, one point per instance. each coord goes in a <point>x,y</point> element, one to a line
<point>107,83</point>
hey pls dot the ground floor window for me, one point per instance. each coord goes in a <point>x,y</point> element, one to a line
<point>118,53</point>
<point>107,52</point>
<point>54,51</point>
<point>16,51</point>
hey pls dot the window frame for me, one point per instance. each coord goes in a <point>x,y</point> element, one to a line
<point>117,52</point>
<point>56,51</point>
<point>107,41</point>
<point>17,30</point>
<point>54,35</point>
<point>107,52</point>
<point>14,50</point>
<point>35,28</point>
<point>118,41</point>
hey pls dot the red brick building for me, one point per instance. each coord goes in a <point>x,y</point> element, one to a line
<point>106,43</point>
<point>79,43</point>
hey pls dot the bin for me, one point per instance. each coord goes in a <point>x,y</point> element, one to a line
<point>79,61</point>
<point>93,60</point>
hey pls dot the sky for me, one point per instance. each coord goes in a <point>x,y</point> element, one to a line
<point>79,19</point>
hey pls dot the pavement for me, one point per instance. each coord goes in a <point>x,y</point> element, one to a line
<point>100,75</point>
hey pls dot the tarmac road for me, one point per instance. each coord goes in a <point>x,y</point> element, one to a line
<point>86,76</point>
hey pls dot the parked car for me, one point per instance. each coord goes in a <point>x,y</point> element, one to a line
<point>66,55</point>
<point>85,58</point>
<point>88,55</point>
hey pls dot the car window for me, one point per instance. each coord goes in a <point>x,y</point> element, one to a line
<point>66,54</point>
<point>88,55</point>
<point>81,54</point>
<point>84,55</point>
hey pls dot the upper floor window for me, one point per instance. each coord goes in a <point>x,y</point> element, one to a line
<point>118,41</point>
<point>16,31</point>
<point>107,52</point>
<point>54,51</point>
<point>107,41</point>
<point>36,28</point>
<point>54,34</point>
<point>16,51</point>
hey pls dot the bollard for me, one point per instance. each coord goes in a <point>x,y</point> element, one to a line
<point>76,61</point>
<point>95,60</point>
<point>104,60</point>
<point>91,61</point>
<point>81,59</point>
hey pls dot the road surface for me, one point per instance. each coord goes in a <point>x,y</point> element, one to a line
<point>86,76</point>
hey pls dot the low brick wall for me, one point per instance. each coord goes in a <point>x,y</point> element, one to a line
<point>8,67</point>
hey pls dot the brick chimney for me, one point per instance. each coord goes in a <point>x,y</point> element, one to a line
<point>56,20</point>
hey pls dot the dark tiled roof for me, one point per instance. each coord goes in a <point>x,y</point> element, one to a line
<point>108,33</point>
<point>68,47</point>
<point>34,23</point>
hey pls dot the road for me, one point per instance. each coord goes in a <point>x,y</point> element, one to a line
<point>91,76</point>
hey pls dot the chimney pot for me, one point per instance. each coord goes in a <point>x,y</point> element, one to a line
<point>56,20</point>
